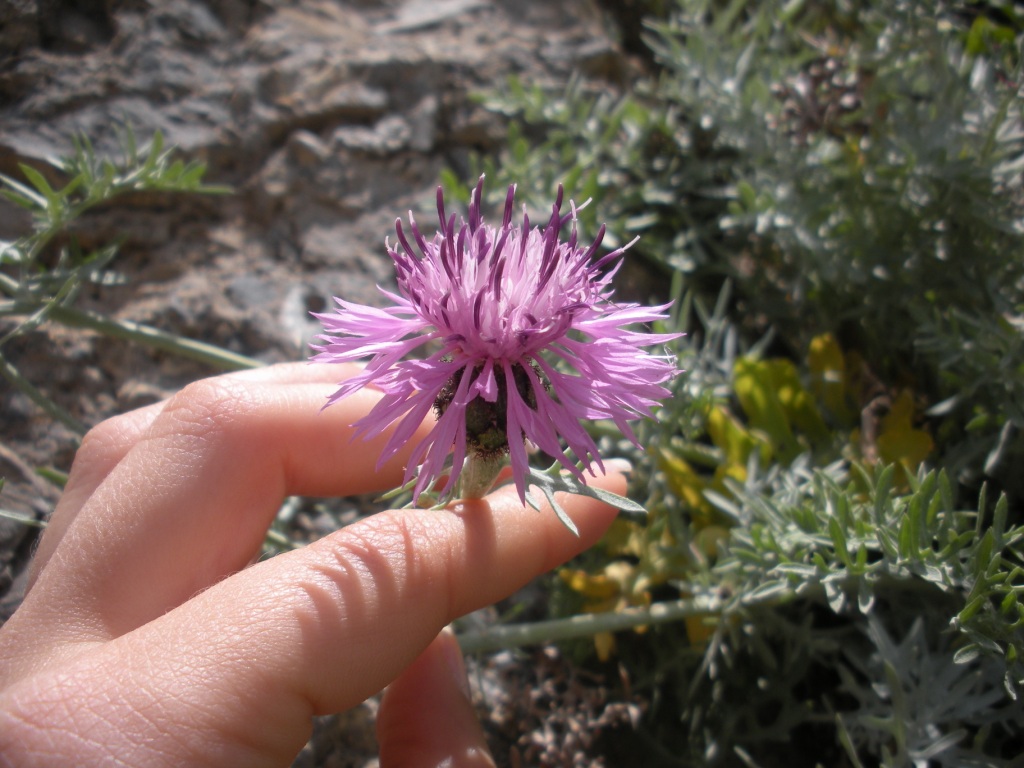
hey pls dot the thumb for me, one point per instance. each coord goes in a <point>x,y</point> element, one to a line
<point>426,718</point>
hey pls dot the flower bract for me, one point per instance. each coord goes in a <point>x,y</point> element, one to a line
<point>509,334</point>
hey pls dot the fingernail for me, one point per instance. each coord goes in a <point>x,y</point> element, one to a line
<point>618,465</point>
<point>453,658</point>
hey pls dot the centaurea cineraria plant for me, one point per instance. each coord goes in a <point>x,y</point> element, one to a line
<point>520,342</point>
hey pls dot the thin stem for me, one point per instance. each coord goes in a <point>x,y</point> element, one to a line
<point>18,518</point>
<point>583,625</point>
<point>28,389</point>
<point>478,475</point>
<point>8,285</point>
<point>70,287</point>
<point>155,338</point>
<point>278,540</point>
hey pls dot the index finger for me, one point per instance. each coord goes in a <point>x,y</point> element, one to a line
<point>252,659</point>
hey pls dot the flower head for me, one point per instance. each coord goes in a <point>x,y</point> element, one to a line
<point>519,341</point>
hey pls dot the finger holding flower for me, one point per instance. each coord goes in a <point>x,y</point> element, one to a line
<point>140,643</point>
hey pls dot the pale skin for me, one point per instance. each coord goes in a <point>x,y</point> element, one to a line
<point>149,638</point>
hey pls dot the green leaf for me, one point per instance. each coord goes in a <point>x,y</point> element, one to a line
<point>1010,602</point>
<point>22,195</point>
<point>971,609</point>
<point>37,180</point>
<point>55,476</point>
<point>906,537</point>
<point>999,519</point>
<point>983,555</point>
<point>555,479</point>
<point>967,654</point>
<point>560,513</point>
<point>19,518</point>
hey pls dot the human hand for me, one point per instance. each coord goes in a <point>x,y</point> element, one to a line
<point>148,639</point>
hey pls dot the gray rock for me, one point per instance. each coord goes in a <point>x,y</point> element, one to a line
<point>306,149</point>
<point>423,123</point>
<point>418,15</point>
<point>385,138</point>
<point>19,26</point>
<point>71,26</point>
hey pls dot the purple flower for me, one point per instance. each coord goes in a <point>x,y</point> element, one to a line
<point>518,340</point>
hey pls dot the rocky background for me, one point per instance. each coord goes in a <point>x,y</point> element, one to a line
<point>329,119</point>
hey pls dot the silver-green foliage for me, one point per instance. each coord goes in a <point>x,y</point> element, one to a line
<point>853,167</point>
<point>803,533</point>
<point>886,555</point>
<point>43,272</point>
<point>922,707</point>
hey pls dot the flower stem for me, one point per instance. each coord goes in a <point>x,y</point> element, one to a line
<point>584,625</point>
<point>478,474</point>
